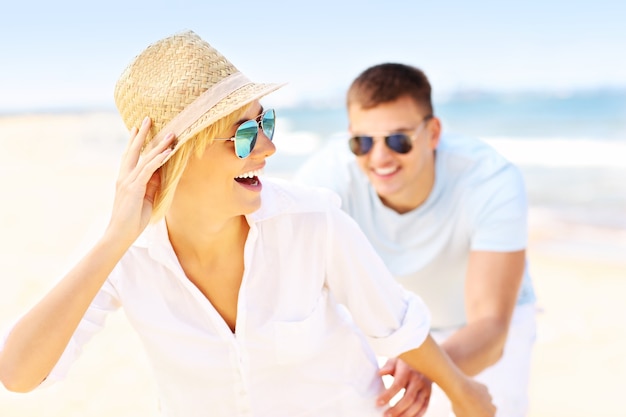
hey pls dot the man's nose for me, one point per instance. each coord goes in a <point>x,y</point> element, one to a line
<point>380,150</point>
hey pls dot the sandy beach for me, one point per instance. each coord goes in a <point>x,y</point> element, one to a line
<point>57,191</point>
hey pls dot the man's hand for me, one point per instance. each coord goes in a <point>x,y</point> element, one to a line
<point>417,389</point>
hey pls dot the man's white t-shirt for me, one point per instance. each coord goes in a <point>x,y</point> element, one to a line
<point>478,202</point>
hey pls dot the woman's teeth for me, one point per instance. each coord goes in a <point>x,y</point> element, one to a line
<point>251,174</point>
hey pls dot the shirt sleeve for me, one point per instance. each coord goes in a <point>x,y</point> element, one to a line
<point>393,319</point>
<point>500,212</point>
<point>92,322</point>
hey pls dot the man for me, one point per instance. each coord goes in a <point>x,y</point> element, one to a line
<point>448,216</point>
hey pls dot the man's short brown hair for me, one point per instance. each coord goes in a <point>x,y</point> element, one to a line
<point>388,82</point>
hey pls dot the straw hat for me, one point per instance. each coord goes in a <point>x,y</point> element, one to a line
<point>184,85</point>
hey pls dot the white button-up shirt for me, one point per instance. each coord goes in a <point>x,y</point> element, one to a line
<point>295,351</point>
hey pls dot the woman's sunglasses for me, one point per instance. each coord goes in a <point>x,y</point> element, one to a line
<point>398,142</point>
<point>246,134</point>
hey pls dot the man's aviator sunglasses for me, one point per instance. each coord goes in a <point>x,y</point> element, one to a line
<point>398,142</point>
<point>247,132</point>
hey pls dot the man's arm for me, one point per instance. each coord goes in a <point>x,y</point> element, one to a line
<point>492,285</point>
<point>468,397</point>
<point>491,291</point>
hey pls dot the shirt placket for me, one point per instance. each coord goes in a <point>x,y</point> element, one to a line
<point>241,387</point>
<point>240,356</point>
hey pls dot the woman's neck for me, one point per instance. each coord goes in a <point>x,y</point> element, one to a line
<point>202,240</point>
<point>211,255</point>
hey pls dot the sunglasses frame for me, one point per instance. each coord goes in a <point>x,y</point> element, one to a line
<point>372,138</point>
<point>247,143</point>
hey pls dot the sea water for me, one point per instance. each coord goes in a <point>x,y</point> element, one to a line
<point>571,147</point>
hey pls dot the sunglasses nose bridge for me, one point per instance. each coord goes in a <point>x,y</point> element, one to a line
<point>380,148</point>
<point>263,129</point>
<point>264,144</point>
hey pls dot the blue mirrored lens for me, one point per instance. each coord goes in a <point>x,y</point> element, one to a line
<point>245,138</point>
<point>268,122</point>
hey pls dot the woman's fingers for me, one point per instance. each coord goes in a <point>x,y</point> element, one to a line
<point>135,144</point>
<point>153,160</point>
<point>134,163</point>
<point>165,143</point>
<point>136,190</point>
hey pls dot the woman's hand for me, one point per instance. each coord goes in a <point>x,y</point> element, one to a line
<point>137,183</point>
<point>417,389</point>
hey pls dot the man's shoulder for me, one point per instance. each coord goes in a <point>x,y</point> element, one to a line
<point>470,155</point>
<point>472,170</point>
<point>332,166</point>
<point>467,146</point>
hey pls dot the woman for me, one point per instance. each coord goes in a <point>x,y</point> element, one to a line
<point>236,301</point>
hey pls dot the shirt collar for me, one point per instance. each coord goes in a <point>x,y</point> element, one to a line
<point>156,240</point>
<point>275,200</point>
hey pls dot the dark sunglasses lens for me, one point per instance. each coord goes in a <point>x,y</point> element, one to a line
<point>245,138</point>
<point>360,145</point>
<point>399,142</point>
<point>268,122</point>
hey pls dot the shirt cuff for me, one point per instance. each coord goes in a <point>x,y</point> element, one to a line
<point>411,333</point>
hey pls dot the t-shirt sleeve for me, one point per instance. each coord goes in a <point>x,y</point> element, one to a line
<point>393,319</point>
<point>500,211</point>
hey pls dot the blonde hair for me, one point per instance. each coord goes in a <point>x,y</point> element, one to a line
<point>173,169</point>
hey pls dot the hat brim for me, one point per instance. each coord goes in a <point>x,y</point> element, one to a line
<point>234,101</point>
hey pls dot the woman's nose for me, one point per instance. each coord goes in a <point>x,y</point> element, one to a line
<point>264,146</point>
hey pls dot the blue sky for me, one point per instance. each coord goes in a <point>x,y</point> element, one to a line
<point>60,54</point>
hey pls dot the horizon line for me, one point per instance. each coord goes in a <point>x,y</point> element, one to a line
<point>461,94</point>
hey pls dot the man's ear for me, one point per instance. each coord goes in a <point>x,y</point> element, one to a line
<point>433,126</point>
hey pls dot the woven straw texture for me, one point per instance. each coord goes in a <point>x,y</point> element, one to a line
<point>171,74</point>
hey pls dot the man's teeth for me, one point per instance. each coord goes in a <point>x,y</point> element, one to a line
<point>251,174</point>
<point>385,171</point>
